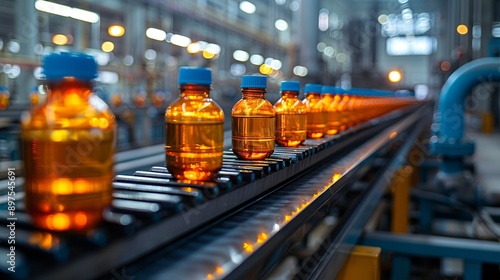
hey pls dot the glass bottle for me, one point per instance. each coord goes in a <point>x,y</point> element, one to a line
<point>194,135</point>
<point>352,109</point>
<point>4,97</point>
<point>253,120</point>
<point>331,99</point>
<point>69,145</point>
<point>317,116</point>
<point>361,98</point>
<point>291,116</point>
<point>344,110</point>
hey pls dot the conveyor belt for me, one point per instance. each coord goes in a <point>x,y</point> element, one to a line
<point>249,243</point>
<point>151,210</point>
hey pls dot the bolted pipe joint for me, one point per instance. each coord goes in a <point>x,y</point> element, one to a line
<point>458,186</point>
<point>449,140</point>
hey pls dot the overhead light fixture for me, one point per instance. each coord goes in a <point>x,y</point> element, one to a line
<point>108,77</point>
<point>193,48</point>
<point>116,30</point>
<point>265,69</point>
<point>462,29</point>
<point>180,40</point>
<point>208,55</point>
<point>240,55</point>
<point>84,15</point>
<point>281,25</point>
<point>247,7</point>
<point>107,46</point>
<point>13,46</point>
<point>60,39</point>
<point>276,64</point>
<point>323,18</point>
<point>256,59</point>
<point>156,34</point>
<point>394,76</point>
<point>213,48</point>
<point>66,11</point>
<point>300,71</point>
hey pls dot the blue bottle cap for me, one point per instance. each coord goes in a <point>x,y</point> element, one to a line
<point>312,88</point>
<point>254,81</point>
<point>81,66</point>
<point>332,90</point>
<point>290,85</point>
<point>195,75</point>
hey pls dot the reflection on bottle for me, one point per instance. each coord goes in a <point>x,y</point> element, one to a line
<point>194,135</point>
<point>331,99</point>
<point>291,116</point>
<point>69,145</point>
<point>253,120</point>
<point>317,116</point>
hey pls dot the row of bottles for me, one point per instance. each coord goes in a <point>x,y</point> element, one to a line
<point>69,140</point>
<point>194,122</point>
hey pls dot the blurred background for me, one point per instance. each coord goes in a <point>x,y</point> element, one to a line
<point>140,45</point>
<point>407,46</point>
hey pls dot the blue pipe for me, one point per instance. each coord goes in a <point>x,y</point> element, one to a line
<point>450,142</point>
<point>456,89</point>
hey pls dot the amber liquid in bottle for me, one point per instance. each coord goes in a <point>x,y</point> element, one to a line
<point>345,112</point>
<point>331,102</point>
<point>251,138</point>
<point>69,145</point>
<point>194,135</point>
<point>352,107</point>
<point>253,125</point>
<point>317,116</point>
<point>4,101</point>
<point>291,120</point>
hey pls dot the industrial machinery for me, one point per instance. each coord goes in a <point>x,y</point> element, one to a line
<point>302,213</point>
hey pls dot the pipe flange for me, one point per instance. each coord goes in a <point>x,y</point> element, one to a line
<point>451,147</point>
<point>461,186</point>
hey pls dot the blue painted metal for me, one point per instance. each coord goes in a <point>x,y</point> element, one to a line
<point>472,270</point>
<point>449,141</point>
<point>370,92</point>
<point>400,267</point>
<point>435,246</point>
<point>473,252</point>
<point>426,213</point>
<point>451,147</point>
<point>494,47</point>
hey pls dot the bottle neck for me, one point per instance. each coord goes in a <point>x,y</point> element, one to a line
<point>193,91</point>
<point>289,94</point>
<point>313,95</point>
<point>69,89</point>
<point>253,93</point>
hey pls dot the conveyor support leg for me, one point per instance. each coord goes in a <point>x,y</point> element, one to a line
<point>363,263</point>
<point>400,186</point>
